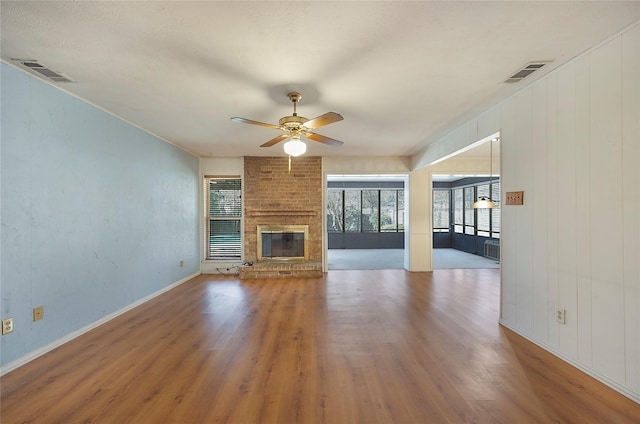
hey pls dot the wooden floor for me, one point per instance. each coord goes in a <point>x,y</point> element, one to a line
<point>353,347</point>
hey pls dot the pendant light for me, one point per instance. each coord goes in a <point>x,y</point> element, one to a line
<point>485,202</point>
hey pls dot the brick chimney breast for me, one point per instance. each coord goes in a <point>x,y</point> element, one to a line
<point>274,196</point>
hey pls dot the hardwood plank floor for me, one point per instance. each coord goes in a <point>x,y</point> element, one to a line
<point>353,347</point>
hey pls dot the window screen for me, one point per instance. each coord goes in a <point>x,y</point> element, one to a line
<point>483,214</point>
<point>469,198</point>
<point>441,210</point>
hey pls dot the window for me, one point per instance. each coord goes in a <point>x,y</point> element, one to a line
<point>224,217</point>
<point>441,200</point>
<point>483,215</point>
<point>352,210</point>
<point>363,210</point>
<point>466,220</point>
<point>335,211</point>
<point>370,208</point>
<point>400,212</point>
<point>469,222</point>
<point>389,211</point>
<point>495,213</point>
<point>458,215</point>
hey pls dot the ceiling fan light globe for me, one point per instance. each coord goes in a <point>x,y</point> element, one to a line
<point>295,147</point>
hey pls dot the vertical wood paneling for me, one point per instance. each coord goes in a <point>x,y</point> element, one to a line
<point>508,235</point>
<point>524,229</point>
<point>538,199</point>
<point>471,133</point>
<point>487,124</point>
<point>583,212</point>
<point>567,280</point>
<point>552,210</point>
<point>606,210</point>
<point>585,243</point>
<point>631,202</point>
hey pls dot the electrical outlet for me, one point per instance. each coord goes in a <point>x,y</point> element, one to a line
<point>38,313</point>
<point>181,263</point>
<point>7,326</point>
<point>561,315</point>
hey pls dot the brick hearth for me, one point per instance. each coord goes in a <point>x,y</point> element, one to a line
<point>282,270</point>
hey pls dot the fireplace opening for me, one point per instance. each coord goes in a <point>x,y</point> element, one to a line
<point>283,243</point>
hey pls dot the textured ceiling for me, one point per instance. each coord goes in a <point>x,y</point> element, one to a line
<point>401,73</point>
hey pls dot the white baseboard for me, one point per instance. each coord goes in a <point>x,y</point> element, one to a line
<point>585,369</point>
<point>56,343</point>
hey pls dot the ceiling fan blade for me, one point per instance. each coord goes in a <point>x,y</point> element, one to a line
<point>322,120</point>
<point>249,121</point>
<point>275,140</point>
<point>323,139</point>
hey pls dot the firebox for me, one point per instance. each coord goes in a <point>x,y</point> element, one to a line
<point>283,243</point>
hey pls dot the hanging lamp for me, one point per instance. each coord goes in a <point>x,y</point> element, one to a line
<point>485,202</point>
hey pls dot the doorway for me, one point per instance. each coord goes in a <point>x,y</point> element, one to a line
<point>366,221</point>
<point>464,235</point>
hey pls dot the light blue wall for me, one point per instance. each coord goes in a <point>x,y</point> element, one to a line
<point>96,213</point>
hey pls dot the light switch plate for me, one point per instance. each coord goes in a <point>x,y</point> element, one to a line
<point>515,197</point>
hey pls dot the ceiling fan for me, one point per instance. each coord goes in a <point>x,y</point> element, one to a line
<point>296,126</point>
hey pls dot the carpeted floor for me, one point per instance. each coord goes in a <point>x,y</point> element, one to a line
<point>452,259</point>
<point>394,259</point>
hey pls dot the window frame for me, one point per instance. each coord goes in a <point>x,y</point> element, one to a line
<point>449,212</point>
<point>395,212</point>
<point>399,224</point>
<point>460,223</point>
<point>209,249</point>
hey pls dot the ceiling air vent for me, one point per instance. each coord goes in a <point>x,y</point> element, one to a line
<point>525,72</point>
<point>42,70</point>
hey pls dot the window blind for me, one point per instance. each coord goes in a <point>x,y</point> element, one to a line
<point>224,219</point>
<point>495,213</point>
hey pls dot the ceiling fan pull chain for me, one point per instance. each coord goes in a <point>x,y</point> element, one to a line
<point>289,164</point>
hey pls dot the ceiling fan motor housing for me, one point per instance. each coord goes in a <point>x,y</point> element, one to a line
<point>292,122</point>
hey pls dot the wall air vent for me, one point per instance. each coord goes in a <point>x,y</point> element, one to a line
<point>40,69</point>
<point>525,71</point>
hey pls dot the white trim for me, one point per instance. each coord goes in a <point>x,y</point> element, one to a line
<point>587,370</point>
<point>56,343</point>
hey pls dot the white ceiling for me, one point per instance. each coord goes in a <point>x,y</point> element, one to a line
<point>401,73</point>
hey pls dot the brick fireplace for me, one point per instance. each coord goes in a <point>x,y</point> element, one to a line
<point>275,198</point>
